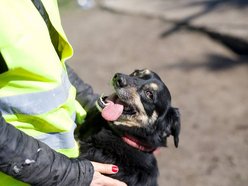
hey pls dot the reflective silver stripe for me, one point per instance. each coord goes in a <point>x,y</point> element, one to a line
<point>36,103</point>
<point>59,140</point>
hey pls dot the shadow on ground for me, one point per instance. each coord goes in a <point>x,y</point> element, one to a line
<point>234,43</point>
<point>212,62</point>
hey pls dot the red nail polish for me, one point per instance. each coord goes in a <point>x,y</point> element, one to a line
<point>115,169</point>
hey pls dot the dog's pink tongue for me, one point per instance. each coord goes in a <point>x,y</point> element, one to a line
<point>112,111</point>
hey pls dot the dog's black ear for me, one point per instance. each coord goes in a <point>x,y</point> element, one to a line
<point>173,124</point>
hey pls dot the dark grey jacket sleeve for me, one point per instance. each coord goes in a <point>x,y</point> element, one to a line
<point>85,94</point>
<point>33,162</point>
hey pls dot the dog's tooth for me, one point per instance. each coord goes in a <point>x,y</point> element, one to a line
<point>103,102</point>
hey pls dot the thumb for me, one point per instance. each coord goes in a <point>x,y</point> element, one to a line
<point>105,168</point>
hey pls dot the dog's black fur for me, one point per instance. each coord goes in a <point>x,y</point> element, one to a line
<point>148,117</point>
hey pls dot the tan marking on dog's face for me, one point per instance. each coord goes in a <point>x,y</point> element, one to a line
<point>143,73</point>
<point>147,72</point>
<point>153,118</point>
<point>140,119</point>
<point>128,123</point>
<point>154,86</point>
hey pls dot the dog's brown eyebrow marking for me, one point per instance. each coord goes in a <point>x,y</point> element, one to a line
<point>145,72</point>
<point>153,86</point>
<point>142,73</point>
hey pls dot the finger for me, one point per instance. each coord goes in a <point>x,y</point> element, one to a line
<point>156,152</point>
<point>106,181</point>
<point>113,182</point>
<point>105,168</point>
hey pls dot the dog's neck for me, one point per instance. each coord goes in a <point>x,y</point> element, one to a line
<point>132,141</point>
<point>136,144</point>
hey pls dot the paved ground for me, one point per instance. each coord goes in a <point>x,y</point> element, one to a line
<point>208,83</point>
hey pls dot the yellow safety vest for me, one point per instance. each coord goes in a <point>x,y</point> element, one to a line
<point>35,93</point>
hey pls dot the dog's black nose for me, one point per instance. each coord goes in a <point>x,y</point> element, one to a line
<point>119,80</point>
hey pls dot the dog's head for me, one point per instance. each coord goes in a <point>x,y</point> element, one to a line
<point>141,108</point>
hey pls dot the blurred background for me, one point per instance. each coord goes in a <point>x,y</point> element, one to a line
<point>200,50</point>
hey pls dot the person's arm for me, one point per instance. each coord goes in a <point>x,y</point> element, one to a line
<point>85,94</point>
<point>33,162</point>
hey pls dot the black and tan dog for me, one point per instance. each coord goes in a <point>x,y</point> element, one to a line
<point>133,122</point>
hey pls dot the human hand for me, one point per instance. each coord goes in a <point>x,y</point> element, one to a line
<point>101,180</point>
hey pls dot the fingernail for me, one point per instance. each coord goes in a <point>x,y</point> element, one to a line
<point>115,169</point>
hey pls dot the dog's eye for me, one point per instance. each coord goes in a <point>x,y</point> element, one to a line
<point>149,94</point>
